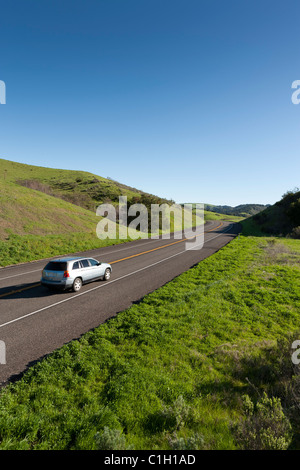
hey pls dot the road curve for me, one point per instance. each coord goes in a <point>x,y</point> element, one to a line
<point>34,322</point>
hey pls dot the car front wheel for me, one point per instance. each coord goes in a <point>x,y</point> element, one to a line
<point>107,275</point>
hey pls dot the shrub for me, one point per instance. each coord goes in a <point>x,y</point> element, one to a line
<point>111,439</point>
<point>296,232</point>
<point>177,413</point>
<point>172,417</point>
<point>195,442</point>
<point>265,426</point>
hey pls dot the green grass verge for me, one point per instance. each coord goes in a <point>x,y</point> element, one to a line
<point>169,372</point>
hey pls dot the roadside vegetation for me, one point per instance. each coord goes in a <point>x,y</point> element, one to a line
<point>281,219</point>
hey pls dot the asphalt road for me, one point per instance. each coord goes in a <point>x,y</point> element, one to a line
<point>34,321</point>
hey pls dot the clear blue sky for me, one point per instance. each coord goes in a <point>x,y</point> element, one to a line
<point>187,99</point>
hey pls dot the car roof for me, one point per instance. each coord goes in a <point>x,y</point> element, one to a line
<point>70,259</point>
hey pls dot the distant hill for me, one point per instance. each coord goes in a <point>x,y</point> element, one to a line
<point>283,218</point>
<point>243,210</point>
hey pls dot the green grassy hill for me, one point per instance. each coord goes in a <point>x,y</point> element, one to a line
<point>283,218</point>
<point>48,212</point>
<point>81,188</point>
<point>45,212</point>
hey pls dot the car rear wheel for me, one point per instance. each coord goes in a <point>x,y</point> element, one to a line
<point>77,284</point>
<point>107,274</point>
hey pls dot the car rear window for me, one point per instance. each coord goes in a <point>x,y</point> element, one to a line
<point>56,266</point>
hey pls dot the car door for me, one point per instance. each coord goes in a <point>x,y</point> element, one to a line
<point>97,270</point>
<point>85,270</point>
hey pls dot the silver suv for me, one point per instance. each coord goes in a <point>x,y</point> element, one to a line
<point>71,273</point>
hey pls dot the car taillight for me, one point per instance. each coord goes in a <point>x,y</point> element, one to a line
<point>66,274</point>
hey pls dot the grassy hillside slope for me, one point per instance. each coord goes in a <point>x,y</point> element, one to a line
<point>35,225</point>
<point>78,187</point>
<point>281,219</point>
<point>47,212</point>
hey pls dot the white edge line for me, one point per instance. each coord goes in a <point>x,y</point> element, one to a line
<point>103,285</point>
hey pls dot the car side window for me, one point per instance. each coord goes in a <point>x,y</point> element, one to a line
<point>76,265</point>
<point>85,263</point>
<point>93,262</point>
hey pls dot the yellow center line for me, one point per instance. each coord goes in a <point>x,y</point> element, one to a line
<point>20,290</point>
<point>118,260</point>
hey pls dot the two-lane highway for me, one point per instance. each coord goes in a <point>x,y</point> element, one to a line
<point>35,321</point>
